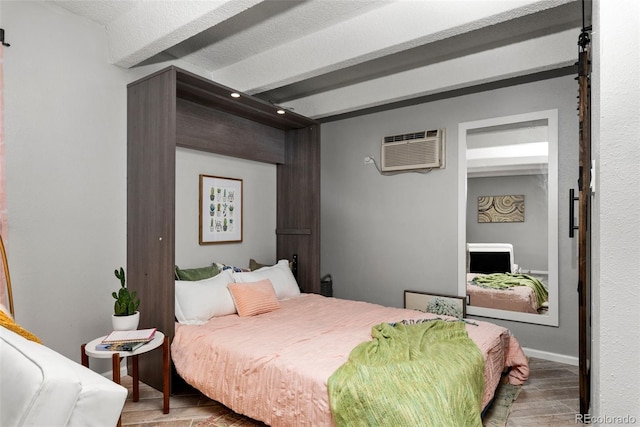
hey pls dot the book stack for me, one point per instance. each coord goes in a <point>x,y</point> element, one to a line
<point>126,340</point>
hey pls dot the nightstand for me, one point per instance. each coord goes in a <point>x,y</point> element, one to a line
<point>158,341</point>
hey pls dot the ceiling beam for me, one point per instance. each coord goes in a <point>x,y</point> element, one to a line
<point>155,26</point>
<point>370,36</point>
<point>264,26</point>
<point>550,52</point>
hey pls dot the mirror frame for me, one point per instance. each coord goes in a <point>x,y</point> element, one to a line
<point>7,279</point>
<point>551,319</point>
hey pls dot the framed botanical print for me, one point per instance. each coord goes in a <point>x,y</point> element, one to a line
<point>220,210</point>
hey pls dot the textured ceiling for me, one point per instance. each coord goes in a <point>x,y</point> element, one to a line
<point>334,58</point>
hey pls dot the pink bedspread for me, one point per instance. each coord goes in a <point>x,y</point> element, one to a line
<point>274,367</point>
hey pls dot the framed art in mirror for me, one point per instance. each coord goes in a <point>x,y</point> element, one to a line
<point>501,208</point>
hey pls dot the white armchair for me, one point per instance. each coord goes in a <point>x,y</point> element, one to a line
<point>41,387</point>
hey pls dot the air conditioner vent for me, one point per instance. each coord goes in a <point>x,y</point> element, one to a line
<point>415,150</point>
<point>405,137</point>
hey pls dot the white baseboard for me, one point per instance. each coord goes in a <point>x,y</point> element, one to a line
<point>554,357</point>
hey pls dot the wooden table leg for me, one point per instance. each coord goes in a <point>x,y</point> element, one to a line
<point>165,375</point>
<point>83,356</point>
<point>136,378</point>
<point>115,366</point>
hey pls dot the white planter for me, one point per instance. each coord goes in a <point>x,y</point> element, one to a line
<point>125,323</point>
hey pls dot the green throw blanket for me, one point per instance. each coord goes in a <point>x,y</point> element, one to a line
<point>509,280</point>
<point>424,374</point>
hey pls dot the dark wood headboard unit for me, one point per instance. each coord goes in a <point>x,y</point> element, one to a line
<point>174,108</point>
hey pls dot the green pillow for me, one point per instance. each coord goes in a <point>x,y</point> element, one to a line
<point>253,265</point>
<point>193,274</point>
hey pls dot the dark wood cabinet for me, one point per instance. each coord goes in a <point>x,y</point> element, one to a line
<point>174,108</point>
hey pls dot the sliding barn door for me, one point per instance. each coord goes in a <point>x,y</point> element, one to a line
<point>584,226</point>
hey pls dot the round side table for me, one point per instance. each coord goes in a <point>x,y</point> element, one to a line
<point>158,341</point>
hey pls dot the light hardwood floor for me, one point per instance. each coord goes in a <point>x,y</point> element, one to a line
<point>548,398</point>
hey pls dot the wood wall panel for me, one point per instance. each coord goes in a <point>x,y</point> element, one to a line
<point>298,204</point>
<point>215,131</point>
<point>151,128</point>
<point>214,95</point>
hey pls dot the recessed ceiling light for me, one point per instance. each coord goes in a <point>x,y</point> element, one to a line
<point>280,111</point>
<point>235,95</point>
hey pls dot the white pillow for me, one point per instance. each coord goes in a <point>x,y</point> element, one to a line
<point>280,275</point>
<point>198,301</point>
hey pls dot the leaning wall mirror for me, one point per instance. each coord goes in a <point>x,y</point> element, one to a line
<point>508,217</point>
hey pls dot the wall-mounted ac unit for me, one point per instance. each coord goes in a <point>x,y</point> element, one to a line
<point>410,151</point>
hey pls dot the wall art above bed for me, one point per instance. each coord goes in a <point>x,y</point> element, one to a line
<point>220,210</point>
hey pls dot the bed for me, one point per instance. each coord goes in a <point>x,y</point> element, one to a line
<point>493,259</point>
<point>274,366</point>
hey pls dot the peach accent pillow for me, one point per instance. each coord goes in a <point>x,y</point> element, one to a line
<point>254,297</point>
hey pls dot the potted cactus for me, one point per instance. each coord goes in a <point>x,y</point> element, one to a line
<point>125,310</point>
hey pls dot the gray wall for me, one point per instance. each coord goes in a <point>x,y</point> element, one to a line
<point>65,157</point>
<point>384,234</point>
<point>529,238</point>
<point>259,210</point>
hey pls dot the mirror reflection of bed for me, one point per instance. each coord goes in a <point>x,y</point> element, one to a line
<point>495,280</point>
<point>508,193</point>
